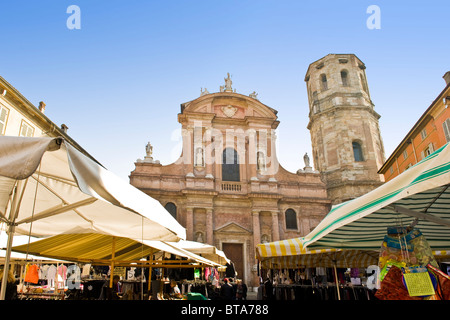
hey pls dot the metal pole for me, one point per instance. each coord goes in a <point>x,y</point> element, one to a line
<point>337,281</point>
<point>7,260</point>
<point>15,205</point>
<point>113,255</point>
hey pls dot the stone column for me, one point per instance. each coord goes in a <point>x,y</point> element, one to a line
<point>190,224</point>
<point>209,227</point>
<point>275,227</point>
<point>256,228</point>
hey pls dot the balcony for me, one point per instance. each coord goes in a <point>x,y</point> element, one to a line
<point>231,187</point>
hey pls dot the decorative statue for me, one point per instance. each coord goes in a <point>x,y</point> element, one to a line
<point>202,93</point>
<point>149,149</point>
<point>199,157</point>
<point>260,161</point>
<point>306,159</point>
<point>228,83</point>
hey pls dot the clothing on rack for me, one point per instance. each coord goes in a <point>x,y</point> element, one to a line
<point>32,274</point>
<point>322,293</point>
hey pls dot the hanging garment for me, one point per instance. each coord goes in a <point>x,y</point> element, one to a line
<point>32,274</point>
<point>62,271</point>
<point>408,247</point>
<point>86,270</point>
<point>443,284</point>
<point>43,271</point>
<point>51,275</point>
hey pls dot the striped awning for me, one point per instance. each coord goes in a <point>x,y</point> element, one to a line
<point>327,258</point>
<point>422,192</point>
<point>290,254</point>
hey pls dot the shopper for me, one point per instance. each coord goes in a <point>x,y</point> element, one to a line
<point>226,290</point>
<point>241,290</point>
<point>11,286</point>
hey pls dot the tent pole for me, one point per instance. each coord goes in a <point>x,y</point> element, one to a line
<point>337,281</point>
<point>112,261</point>
<point>150,270</point>
<point>15,205</point>
<point>7,260</point>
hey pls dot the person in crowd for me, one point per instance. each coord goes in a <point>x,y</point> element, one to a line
<point>108,293</point>
<point>11,286</point>
<point>226,290</point>
<point>241,290</point>
<point>268,290</point>
<point>233,284</point>
<point>174,289</point>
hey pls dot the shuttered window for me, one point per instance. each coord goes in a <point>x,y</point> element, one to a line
<point>3,116</point>
<point>446,126</point>
<point>26,130</point>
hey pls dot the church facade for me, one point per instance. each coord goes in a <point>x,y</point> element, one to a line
<point>227,188</point>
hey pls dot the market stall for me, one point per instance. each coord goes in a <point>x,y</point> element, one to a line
<point>48,187</point>
<point>408,220</point>
<point>301,272</point>
<point>119,255</point>
<point>419,197</point>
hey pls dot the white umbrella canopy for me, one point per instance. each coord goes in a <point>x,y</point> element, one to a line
<point>63,191</point>
<point>419,196</point>
<point>47,187</point>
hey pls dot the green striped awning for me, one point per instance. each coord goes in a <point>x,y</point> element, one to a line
<point>422,192</point>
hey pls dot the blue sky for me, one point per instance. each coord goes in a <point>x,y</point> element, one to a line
<point>118,82</point>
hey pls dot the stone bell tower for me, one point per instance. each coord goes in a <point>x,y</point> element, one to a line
<point>346,142</point>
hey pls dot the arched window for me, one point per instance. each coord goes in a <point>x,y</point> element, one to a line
<point>323,80</point>
<point>357,151</point>
<point>230,165</point>
<point>291,219</point>
<point>171,208</point>
<point>344,77</point>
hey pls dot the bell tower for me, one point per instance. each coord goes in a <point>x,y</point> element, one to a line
<point>346,141</point>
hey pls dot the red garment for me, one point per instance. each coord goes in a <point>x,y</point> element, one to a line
<point>32,274</point>
<point>443,288</point>
<point>392,287</point>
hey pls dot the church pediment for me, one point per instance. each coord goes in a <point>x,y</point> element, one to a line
<point>233,228</point>
<point>229,104</point>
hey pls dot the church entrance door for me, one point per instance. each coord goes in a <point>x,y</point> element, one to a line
<point>235,252</point>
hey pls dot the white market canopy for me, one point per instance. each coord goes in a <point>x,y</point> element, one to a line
<point>420,196</point>
<point>47,187</point>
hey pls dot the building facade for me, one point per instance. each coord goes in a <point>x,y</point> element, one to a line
<point>428,134</point>
<point>227,188</point>
<point>346,141</point>
<point>19,117</point>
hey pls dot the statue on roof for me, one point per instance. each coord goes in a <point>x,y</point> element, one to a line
<point>202,93</point>
<point>149,149</point>
<point>228,83</point>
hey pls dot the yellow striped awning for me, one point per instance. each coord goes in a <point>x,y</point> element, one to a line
<point>291,254</point>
